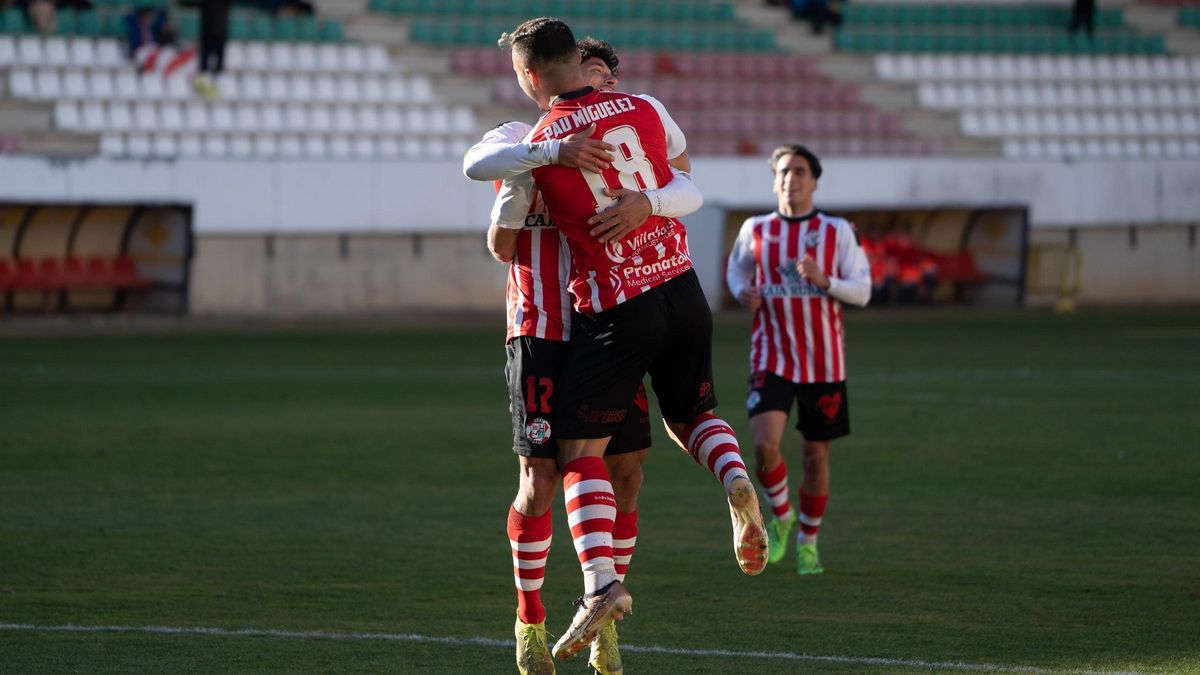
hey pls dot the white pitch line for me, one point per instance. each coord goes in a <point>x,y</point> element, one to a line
<point>492,642</point>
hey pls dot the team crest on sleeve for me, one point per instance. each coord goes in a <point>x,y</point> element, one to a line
<point>537,431</point>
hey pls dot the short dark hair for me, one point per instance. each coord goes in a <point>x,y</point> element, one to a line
<point>541,41</point>
<point>595,48</point>
<point>814,164</point>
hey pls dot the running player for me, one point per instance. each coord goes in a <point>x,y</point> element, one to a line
<point>640,309</point>
<point>538,324</point>
<point>794,268</point>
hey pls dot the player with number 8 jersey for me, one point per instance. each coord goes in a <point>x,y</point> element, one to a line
<point>644,135</point>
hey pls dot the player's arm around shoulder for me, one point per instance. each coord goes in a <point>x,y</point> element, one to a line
<point>504,152</point>
<point>502,243</point>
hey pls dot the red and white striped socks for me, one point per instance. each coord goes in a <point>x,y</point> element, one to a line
<point>624,539</point>
<point>591,510</point>
<point>529,537</point>
<point>775,486</point>
<point>712,444</point>
<point>811,510</point>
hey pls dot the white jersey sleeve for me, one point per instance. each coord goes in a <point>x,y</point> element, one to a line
<point>739,270</point>
<point>505,152</point>
<point>852,285</point>
<point>676,142</point>
<point>676,199</point>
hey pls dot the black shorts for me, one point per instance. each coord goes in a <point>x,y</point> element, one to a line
<point>666,332</point>
<point>823,408</point>
<point>532,373</point>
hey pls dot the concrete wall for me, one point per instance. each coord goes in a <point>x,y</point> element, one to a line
<point>361,237</point>
<point>351,274</point>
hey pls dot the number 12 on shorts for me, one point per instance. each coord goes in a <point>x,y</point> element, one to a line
<point>535,403</point>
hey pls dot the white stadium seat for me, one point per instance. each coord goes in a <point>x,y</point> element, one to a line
<point>295,117</point>
<point>270,118</point>
<point>300,88</point>
<point>252,87</point>
<point>215,146</point>
<point>265,146</point>
<point>395,90</point>
<point>257,57</point>
<point>348,90</point>
<point>66,116</point>
<point>246,117</point>
<point>196,117</point>
<point>304,57</point>
<point>55,52</point>
<point>138,146</point>
<point>235,56</point>
<point>372,90</point>
<point>277,88</point>
<point>22,84</point>
<point>150,86</point>
<point>164,146</point>
<point>83,52</point>
<point>353,58</point>
<point>110,54</point>
<point>93,116</point>
<point>281,56</point>
<point>364,147</point>
<point>119,115</point>
<point>49,84</point>
<point>340,147</point>
<point>170,117</point>
<point>320,119</point>
<point>112,145</point>
<point>220,117</point>
<point>145,116</point>
<point>387,147</point>
<point>8,51</point>
<point>329,58</point>
<point>344,119</point>
<point>290,147</point>
<point>377,58</point>
<point>420,90</point>
<point>125,82</point>
<point>368,120</point>
<point>29,51</point>
<point>190,146</point>
<point>315,146</point>
<point>240,146</point>
<point>416,121</point>
<point>75,84</point>
<point>391,119</point>
<point>100,84</point>
<point>324,89</point>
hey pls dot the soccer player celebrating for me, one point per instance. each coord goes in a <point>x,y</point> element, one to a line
<point>794,268</point>
<point>640,309</point>
<point>538,325</point>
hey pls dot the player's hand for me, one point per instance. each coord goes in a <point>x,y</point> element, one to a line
<point>749,298</point>
<point>808,270</point>
<point>581,151</point>
<point>612,224</point>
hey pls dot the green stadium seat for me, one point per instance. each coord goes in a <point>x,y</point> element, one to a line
<point>13,21</point>
<point>261,28</point>
<point>87,24</point>
<point>285,29</point>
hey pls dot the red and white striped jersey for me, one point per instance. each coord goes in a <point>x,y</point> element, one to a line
<point>536,290</point>
<point>605,275</point>
<point>798,332</point>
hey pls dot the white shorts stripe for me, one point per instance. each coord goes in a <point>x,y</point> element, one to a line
<point>591,512</point>
<point>584,486</point>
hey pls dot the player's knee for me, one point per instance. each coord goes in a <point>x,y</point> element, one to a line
<point>816,455</point>
<point>766,450</point>
<point>538,483</point>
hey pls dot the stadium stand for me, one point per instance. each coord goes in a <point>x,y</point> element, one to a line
<point>956,78</point>
<point>1053,107</point>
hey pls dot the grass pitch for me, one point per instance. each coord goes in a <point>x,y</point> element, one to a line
<point>1020,491</point>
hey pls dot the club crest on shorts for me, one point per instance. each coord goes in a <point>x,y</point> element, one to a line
<point>753,400</point>
<point>537,431</point>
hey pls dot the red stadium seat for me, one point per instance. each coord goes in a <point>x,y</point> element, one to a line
<point>8,275</point>
<point>126,274</point>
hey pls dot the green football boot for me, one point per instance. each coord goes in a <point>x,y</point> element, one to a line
<point>777,542</point>
<point>807,560</point>
<point>533,657</point>
<point>606,658</point>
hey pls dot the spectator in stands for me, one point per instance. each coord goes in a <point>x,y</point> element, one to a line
<point>145,26</point>
<point>1083,15</point>
<point>214,31</point>
<point>42,15</point>
<point>288,7</point>
<point>818,13</point>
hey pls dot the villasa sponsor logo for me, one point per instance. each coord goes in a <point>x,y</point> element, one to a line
<point>620,251</point>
